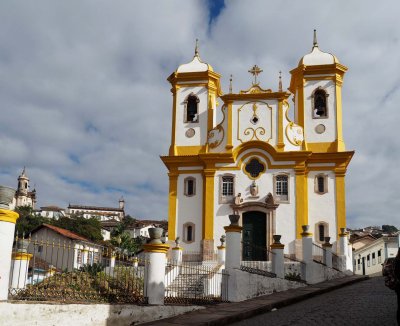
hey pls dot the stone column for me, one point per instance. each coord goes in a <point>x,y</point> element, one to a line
<point>221,251</point>
<point>233,243</point>
<point>278,258</point>
<point>307,246</point>
<point>155,268</point>
<point>20,269</point>
<point>327,259</point>
<point>343,249</point>
<point>7,227</point>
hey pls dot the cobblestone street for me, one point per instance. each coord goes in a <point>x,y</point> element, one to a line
<point>363,303</point>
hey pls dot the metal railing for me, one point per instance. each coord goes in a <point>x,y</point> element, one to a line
<point>45,269</point>
<point>318,254</point>
<point>335,262</point>
<point>253,252</point>
<point>195,284</point>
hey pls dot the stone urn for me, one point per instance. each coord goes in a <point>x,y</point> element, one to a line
<point>222,239</point>
<point>277,238</point>
<point>6,196</point>
<point>305,228</point>
<point>343,230</point>
<point>22,245</point>
<point>327,239</point>
<point>234,218</point>
<point>155,235</point>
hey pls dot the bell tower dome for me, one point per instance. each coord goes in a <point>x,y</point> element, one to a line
<point>317,87</point>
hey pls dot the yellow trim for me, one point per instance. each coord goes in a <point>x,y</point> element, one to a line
<point>173,189</point>
<point>177,248</point>
<point>21,256</point>
<point>8,216</point>
<point>326,245</point>
<point>233,228</point>
<point>277,246</point>
<point>221,247</point>
<point>208,203</point>
<point>306,234</point>
<point>258,160</point>
<point>340,201</point>
<point>301,201</point>
<point>280,145</point>
<point>322,147</point>
<point>160,248</point>
<point>339,120</point>
<point>172,150</point>
<point>189,150</point>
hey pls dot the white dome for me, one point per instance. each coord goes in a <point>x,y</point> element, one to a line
<point>195,65</point>
<point>317,57</point>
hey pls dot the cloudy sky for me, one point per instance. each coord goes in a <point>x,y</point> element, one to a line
<point>86,107</point>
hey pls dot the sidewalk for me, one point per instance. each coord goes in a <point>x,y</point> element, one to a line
<point>227,313</point>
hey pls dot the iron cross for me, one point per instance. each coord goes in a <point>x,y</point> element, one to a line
<point>255,71</point>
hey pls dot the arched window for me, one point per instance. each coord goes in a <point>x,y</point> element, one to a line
<point>188,232</point>
<point>320,103</point>
<point>321,184</point>
<point>321,231</point>
<point>281,187</point>
<point>190,186</point>
<point>192,113</point>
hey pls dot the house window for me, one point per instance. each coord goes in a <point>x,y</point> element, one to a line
<point>282,187</point>
<point>321,231</point>
<point>188,232</point>
<point>368,260</point>
<point>379,256</point>
<point>191,112</point>
<point>373,259</point>
<point>320,103</point>
<point>321,184</point>
<point>358,263</point>
<point>190,186</point>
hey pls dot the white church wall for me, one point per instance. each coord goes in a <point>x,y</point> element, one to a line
<point>322,207</point>
<point>200,127</point>
<point>310,123</point>
<point>189,209</point>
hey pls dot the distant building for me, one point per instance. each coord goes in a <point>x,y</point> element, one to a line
<point>53,212</point>
<point>101,213</point>
<point>367,260</point>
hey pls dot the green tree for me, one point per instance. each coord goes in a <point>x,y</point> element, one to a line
<point>28,220</point>
<point>389,228</point>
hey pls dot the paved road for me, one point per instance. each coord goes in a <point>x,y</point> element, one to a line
<point>366,303</point>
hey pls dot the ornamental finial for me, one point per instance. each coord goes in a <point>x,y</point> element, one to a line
<point>280,81</point>
<point>196,49</point>
<point>230,84</point>
<point>255,71</point>
<point>315,43</point>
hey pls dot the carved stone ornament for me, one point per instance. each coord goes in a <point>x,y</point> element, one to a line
<point>238,199</point>
<point>254,189</point>
<point>320,129</point>
<point>190,133</point>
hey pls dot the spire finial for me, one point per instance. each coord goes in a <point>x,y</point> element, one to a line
<point>255,71</point>
<point>230,84</point>
<point>315,43</point>
<point>280,81</point>
<point>196,49</point>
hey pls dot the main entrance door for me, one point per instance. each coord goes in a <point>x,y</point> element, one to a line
<point>254,236</point>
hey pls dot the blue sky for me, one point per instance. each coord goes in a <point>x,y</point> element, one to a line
<point>87,109</point>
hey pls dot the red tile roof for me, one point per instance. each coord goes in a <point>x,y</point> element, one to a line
<point>65,233</point>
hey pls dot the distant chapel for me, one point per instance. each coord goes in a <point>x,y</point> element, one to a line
<point>277,174</point>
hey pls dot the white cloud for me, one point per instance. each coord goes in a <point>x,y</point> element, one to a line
<point>84,94</point>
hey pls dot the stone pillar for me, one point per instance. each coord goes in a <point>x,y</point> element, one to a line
<point>7,227</point>
<point>20,269</point>
<point>327,259</point>
<point>221,251</point>
<point>343,242</point>
<point>307,247</point>
<point>155,268</point>
<point>278,258</point>
<point>233,243</point>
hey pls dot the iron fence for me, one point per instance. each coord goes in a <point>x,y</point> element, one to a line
<point>57,269</point>
<point>253,252</point>
<point>318,254</point>
<point>195,284</point>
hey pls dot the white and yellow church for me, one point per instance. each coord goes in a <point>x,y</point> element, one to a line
<point>277,174</point>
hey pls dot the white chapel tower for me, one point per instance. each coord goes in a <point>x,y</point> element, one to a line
<point>277,174</point>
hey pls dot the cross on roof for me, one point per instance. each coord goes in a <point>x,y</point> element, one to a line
<point>255,71</point>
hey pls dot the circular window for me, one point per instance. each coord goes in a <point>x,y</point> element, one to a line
<point>254,168</point>
<point>320,129</point>
<point>190,133</point>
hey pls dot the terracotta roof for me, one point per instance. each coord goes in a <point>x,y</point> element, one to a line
<point>64,232</point>
<point>98,208</point>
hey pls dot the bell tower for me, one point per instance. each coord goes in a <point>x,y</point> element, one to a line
<point>195,88</point>
<point>23,184</point>
<point>317,87</point>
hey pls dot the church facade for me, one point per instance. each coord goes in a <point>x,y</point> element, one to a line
<point>277,174</point>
